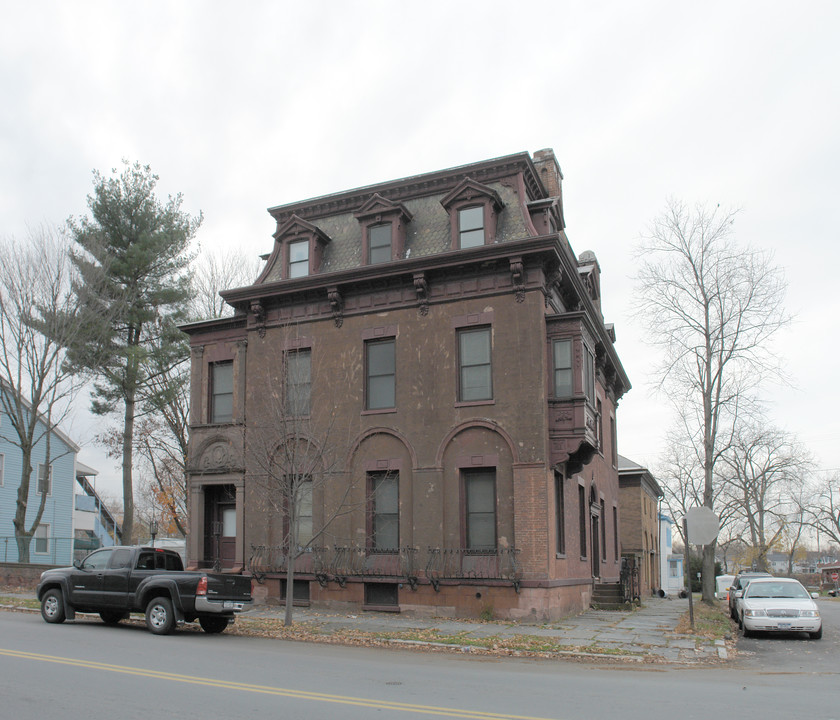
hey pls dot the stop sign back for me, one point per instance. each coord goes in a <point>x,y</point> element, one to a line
<point>703,525</point>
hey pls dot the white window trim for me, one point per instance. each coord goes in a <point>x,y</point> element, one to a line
<point>46,537</point>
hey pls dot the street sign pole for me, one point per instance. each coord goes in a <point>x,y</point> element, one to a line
<point>688,573</point>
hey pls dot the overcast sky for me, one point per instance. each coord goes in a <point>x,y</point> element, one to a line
<point>243,106</point>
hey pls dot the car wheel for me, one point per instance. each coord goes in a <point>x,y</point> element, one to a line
<point>160,618</point>
<point>109,617</point>
<point>213,624</point>
<point>52,606</point>
<point>747,632</point>
<point>816,635</point>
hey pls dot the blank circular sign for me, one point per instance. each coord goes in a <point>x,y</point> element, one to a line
<point>703,525</point>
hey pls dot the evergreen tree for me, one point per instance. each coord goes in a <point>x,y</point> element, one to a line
<point>132,257</point>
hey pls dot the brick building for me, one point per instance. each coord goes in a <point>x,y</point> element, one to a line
<point>640,522</point>
<point>424,362</point>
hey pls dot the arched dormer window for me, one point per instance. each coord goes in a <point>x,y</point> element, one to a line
<point>299,248</point>
<point>383,226</point>
<point>473,211</point>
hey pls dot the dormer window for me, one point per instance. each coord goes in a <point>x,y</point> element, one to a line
<point>471,227</point>
<point>299,249</point>
<point>383,225</point>
<point>473,211</point>
<point>379,244</point>
<point>299,258</point>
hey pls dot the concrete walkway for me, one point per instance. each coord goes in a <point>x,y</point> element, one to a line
<point>645,634</point>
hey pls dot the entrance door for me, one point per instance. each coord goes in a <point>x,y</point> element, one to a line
<point>220,525</point>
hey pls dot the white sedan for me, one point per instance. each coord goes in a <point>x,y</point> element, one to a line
<point>779,605</point>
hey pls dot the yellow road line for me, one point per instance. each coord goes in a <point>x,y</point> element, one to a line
<point>266,690</point>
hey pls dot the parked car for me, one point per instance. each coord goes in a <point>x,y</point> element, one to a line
<point>722,585</point>
<point>740,582</point>
<point>779,605</point>
<point>117,581</point>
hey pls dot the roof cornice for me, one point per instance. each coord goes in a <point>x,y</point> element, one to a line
<point>415,186</point>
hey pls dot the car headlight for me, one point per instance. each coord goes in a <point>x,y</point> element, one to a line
<point>755,613</point>
<point>809,613</point>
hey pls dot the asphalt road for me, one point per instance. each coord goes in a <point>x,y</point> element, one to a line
<point>86,669</point>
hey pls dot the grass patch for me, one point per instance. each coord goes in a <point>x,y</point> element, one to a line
<point>16,601</point>
<point>710,621</point>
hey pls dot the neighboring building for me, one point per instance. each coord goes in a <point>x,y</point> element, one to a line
<point>438,345</point>
<point>640,494</point>
<point>52,543</point>
<point>671,568</point>
<point>94,525</point>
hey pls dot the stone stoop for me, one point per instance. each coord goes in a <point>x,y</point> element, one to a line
<point>608,596</point>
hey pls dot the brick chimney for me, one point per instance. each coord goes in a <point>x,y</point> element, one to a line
<point>548,170</point>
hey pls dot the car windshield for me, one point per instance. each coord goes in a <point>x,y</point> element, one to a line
<point>776,590</point>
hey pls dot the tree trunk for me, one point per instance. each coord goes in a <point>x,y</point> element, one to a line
<point>128,459</point>
<point>22,537</point>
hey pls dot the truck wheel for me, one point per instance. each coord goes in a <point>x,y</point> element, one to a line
<point>109,617</point>
<point>52,606</point>
<point>160,618</point>
<point>213,624</point>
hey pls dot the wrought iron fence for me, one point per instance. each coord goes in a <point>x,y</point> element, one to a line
<point>344,561</point>
<point>467,564</point>
<point>630,587</point>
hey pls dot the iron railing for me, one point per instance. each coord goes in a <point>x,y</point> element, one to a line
<point>630,587</point>
<point>344,561</point>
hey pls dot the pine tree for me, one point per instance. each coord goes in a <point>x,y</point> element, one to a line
<point>132,257</point>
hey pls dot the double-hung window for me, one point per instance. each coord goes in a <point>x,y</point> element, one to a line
<point>471,227</point>
<point>560,513</point>
<point>563,384</point>
<point>298,382</point>
<point>299,258</point>
<point>475,381</point>
<point>301,488</point>
<point>42,539</point>
<point>2,468</point>
<point>44,479</point>
<point>379,244</point>
<point>480,509</point>
<point>385,510</point>
<point>381,368</point>
<point>221,394</point>
<point>589,375</point>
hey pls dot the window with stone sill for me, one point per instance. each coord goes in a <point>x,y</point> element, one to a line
<point>298,258</point>
<point>221,392</point>
<point>379,244</point>
<point>471,227</point>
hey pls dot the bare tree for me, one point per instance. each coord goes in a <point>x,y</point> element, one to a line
<point>216,271</point>
<point>822,510</point>
<point>38,317</point>
<point>760,470</point>
<point>712,306</point>
<point>295,448</point>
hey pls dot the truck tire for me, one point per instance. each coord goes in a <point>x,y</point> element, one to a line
<point>160,617</point>
<point>111,617</point>
<point>52,606</point>
<point>213,625</point>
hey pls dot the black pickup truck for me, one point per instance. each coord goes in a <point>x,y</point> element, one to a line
<point>116,581</point>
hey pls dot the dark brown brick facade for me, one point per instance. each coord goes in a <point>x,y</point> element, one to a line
<point>523,291</point>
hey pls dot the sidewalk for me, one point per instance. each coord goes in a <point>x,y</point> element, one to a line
<point>646,634</point>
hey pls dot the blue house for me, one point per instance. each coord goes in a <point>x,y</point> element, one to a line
<point>53,541</point>
<point>95,526</point>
